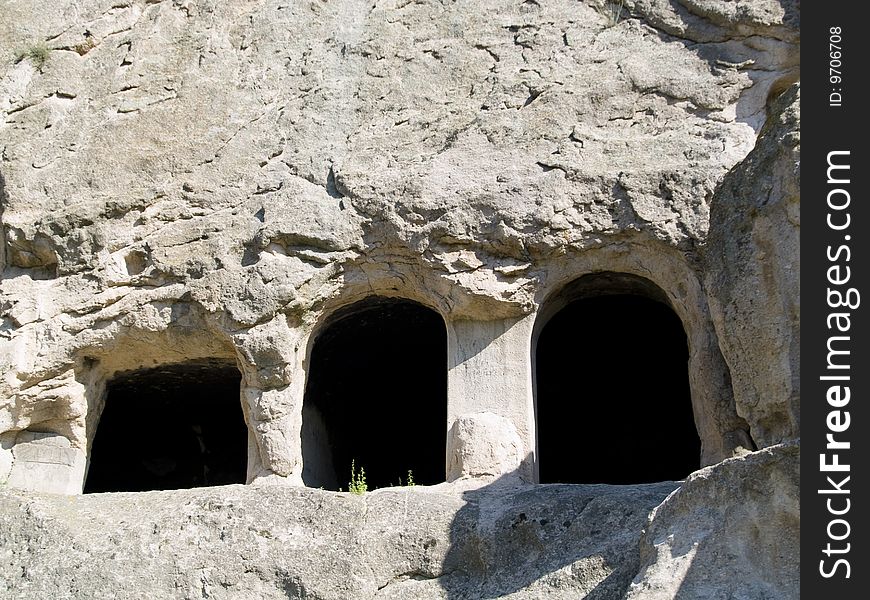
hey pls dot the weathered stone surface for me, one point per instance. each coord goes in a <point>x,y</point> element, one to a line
<point>184,180</point>
<point>278,542</point>
<point>753,276</point>
<point>324,115</point>
<point>731,531</point>
<point>502,450</point>
<point>46,462</point>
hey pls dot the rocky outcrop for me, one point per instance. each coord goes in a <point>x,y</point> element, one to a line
<point>731,530</point>
<point>753,276</point>
<point>278,542</point>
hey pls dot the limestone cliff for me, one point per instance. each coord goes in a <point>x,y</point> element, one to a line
<point>188,180</point>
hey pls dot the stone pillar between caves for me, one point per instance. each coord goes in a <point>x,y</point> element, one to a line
<point>46,462</point>
<point>490,411</point>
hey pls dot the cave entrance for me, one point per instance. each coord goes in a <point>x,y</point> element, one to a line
<point>171,427</point>
<point>377,395</point>
<point>613,402</point>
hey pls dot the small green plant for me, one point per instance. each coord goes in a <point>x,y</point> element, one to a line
<point>409,482</point>
<point>37,54</point>
<point>357,483</point>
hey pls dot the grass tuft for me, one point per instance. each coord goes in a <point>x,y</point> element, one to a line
<point>37,54</point>
<point>612,11</point>
<point>357,485</point>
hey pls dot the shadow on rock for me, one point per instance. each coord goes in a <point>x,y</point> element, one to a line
<point>732,531</point>
<point>575,540</point>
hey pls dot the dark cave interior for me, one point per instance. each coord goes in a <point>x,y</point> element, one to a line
<point>612,393</point>
<point>377,395</point>
<point>171,427</point>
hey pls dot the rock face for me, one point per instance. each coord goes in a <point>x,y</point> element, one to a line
<point>279,542</point>
<point>498,541</point>
<point>740,517</point>
<point>753,276</point>
<point>184,181</point>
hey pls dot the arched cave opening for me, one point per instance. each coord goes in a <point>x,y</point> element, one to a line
<point>377,395</point>
<point>613,401</point>
<point>171,427</point>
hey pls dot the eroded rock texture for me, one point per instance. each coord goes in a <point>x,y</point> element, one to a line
<point>186,180</point>
<point>731,531</point>
<point>753,276</point>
